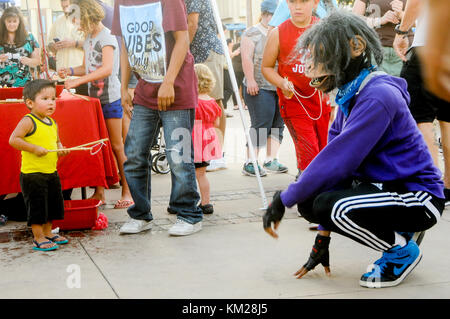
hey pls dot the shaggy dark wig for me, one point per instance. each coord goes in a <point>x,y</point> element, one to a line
<point>328,44</point>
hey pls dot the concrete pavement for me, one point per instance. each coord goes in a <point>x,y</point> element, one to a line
<point>232,257</point>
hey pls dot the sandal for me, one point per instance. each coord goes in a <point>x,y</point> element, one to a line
<point>58,242</point>
<point>38,246</point>
<point>121,204</point>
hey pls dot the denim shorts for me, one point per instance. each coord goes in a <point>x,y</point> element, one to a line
<point>113,110</point>
<point>265,117</point>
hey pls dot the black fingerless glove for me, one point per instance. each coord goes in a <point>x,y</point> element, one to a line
<point>319,253</point>
<point>275,211</point>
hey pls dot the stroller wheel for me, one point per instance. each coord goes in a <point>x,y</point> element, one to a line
<point>160,164</point>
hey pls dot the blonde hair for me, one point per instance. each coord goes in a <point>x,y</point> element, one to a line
<point>91,14</point>
<point>206,80</point>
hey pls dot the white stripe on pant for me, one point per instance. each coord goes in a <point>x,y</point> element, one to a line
<point>344,206</point>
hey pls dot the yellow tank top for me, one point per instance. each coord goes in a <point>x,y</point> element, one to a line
<point>46,136</point>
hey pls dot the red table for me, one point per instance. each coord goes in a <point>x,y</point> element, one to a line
<point>79,122</point>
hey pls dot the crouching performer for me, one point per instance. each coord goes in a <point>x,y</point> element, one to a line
<point>375,181</point>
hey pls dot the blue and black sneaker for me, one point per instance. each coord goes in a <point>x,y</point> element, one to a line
<point>393,267</point>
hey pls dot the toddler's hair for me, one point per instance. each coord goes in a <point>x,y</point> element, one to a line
<point>33,88</point>
<point>206,80</point>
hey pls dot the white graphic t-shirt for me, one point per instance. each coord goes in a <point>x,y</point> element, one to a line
<point>143,33</point>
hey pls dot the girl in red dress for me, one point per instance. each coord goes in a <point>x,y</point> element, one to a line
<point>206,142</point>
<point>305,111</point>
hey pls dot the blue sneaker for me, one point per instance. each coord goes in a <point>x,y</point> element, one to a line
<point>393,267</point>
<point>275,167</point>
<point>249,170</point>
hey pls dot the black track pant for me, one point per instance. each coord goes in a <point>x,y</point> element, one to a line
<point>370,215</point>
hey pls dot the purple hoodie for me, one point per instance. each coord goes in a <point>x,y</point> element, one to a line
<point>378,143</point>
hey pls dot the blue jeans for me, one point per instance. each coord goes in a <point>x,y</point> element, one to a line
<point>142,134</point>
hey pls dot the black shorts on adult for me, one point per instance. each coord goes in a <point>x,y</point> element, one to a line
<point>43,197</point>
<point>425,107</point>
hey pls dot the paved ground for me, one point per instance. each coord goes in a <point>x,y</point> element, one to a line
<point>231,257</point>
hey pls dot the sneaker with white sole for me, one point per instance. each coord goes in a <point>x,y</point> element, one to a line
<point>249,170</point>
<point>134,226</point>
<point>274,166</point>
<point>393,267</point>
<point>182,228</point>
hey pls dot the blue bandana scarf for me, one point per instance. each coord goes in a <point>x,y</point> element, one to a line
<point>348,90</point>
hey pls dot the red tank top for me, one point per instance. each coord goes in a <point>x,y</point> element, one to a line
<point>294,71</point>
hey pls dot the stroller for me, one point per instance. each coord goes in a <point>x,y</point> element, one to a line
<point>160,165</point>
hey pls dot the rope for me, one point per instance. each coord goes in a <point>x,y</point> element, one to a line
<point>99,144</point>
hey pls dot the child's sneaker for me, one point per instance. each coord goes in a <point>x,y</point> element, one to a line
<point>182,228</point>
<point>275,167</point>
<point>249,170</point>
<point>393,267</point>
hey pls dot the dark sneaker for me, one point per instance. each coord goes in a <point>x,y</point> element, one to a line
<point>447,196</point>
<point>171,211</point>
<point>275,167</point>
<point>249,170</point>
<point>393,267</point>
<point>207,209</point>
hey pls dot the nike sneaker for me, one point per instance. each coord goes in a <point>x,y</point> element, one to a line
<point>393,267</point>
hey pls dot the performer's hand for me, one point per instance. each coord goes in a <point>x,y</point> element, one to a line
<point>273,214</point>
<point>319,255</point>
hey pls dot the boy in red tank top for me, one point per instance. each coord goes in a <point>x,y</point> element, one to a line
<point>306,112</point>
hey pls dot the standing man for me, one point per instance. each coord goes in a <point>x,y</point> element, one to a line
<point>425,106</point>
<point>207,49</point>
<point>155,45</point>
<point>66,42</point>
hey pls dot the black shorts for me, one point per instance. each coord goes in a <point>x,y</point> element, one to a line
<point>43,197</point>
<point>425,107</point>
<point>201,164</point>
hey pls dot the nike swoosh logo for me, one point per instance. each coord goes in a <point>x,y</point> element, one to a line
<point>399,270</point>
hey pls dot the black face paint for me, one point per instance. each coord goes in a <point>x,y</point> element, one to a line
<point>353,69</point>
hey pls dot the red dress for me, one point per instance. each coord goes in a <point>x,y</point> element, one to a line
<point>206,142</point>
<point>307,121</point>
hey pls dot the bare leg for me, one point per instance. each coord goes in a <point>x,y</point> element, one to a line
<point>222,125</point>
<point>430,139</point>
<point>203,184</point>
<point>115,134</point>
<point>273,145</point>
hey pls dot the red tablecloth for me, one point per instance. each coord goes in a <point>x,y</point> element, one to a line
<point>79,122</point>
